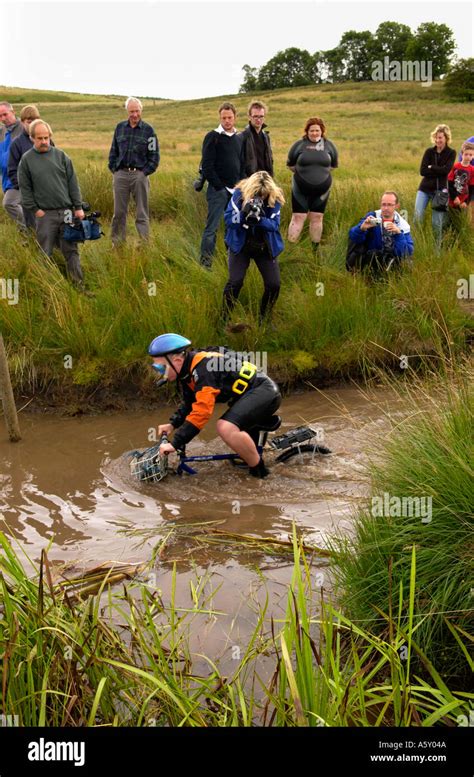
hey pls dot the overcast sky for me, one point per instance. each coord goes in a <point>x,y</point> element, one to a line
<point>190,49</point>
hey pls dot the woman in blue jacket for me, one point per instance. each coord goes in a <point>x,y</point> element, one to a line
<point>252,220</point>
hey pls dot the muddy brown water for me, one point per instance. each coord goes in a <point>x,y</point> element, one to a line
<point>68,480</point>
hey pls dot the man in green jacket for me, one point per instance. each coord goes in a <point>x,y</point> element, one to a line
<point>49,187</point>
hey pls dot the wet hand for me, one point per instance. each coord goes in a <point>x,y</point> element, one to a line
<point>166,449</point>
<point>79,214</point>
<point>165,429</point>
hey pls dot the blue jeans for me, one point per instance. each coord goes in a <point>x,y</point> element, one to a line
<point>216,204</point>
<point>438,217</point>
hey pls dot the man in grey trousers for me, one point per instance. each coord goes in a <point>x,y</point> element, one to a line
<point>49,187</point>
<point>134,156</point>
<point>10,128</point>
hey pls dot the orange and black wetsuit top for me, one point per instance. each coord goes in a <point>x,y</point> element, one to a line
<point>208,377</point>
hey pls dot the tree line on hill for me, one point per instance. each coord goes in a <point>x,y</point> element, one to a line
<point>358,53</point>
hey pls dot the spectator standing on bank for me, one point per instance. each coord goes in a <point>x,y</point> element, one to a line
<point>49,187</point>
<point>311,160</point>
<point>221,167</point>
<point>256,147</point>
<point>436,163</point>
<point>20,146</point>
<point>134,156</point>
<point>10,128</point>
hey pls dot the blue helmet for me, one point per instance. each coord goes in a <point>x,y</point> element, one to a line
<point>168,343</point>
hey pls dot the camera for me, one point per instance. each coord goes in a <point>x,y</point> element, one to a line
<point>254,210</point>
<point>198,184</point>
<point>374,220</point>
<point>78,230</point>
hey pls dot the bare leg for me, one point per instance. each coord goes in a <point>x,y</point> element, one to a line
<point>316,226</point>
<point>238,441</point>
<point>296,226</point>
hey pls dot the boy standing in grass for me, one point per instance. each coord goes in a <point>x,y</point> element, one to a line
<point>461,179</point>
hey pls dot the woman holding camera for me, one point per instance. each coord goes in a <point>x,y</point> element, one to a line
<point>311,160</point>
<point>252,221</point>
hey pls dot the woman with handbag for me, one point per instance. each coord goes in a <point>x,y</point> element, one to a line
<point>436,164</point>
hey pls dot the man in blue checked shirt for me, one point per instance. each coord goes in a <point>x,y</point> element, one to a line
<point>134,156</point>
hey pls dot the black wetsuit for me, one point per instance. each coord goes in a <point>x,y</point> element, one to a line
<point>312,178</point>
<point>208,377</point>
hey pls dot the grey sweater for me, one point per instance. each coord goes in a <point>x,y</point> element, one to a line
<point>48,181</point>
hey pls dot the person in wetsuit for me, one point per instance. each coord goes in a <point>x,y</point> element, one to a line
<point>252,220</point>
<point>311,160</point>
<point>206,377</point>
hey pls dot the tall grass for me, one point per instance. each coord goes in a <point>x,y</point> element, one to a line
<point>343,674</point>
<point>65,663</point>
<point>428,454</point>
<point>325,319</point>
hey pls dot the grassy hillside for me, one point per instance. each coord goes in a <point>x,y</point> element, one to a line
<point>381,131</point>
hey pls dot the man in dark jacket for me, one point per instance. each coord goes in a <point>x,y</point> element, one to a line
<point>256,148</point>
<point>134,156</point>
<point>20,146</point>
<point>222,168</point>
<point>10,128</point>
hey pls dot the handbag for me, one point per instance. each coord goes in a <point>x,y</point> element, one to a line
<point>440,199</point>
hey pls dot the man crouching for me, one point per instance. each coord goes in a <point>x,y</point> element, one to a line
<point>207,377</point>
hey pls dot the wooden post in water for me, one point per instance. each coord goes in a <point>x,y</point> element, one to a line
<point>6,392</point>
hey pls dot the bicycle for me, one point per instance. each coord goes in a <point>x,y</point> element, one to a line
<point>149,465</point>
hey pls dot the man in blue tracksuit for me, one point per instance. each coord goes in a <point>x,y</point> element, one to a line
<point>381,239</point>
<point>10,128</point>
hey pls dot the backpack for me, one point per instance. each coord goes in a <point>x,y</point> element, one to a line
<point>354,254</point>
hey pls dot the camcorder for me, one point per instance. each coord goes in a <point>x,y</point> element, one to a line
<point>79,230</point>
<point>198,184</point>
<point>254,210</point>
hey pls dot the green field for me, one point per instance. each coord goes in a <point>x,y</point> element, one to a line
<point>380,129</point>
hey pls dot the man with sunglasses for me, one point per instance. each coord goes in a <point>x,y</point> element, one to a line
<point>256,147</point>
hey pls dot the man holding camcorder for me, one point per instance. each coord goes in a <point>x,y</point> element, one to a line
<point>381,239</point>
<point>49,187</point>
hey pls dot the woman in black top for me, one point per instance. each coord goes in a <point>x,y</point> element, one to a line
<point>436,164</point>
<point>311,160</point>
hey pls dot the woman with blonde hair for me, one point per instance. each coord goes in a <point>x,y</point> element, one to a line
<point>436,164</point>
<point>252,220</point>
